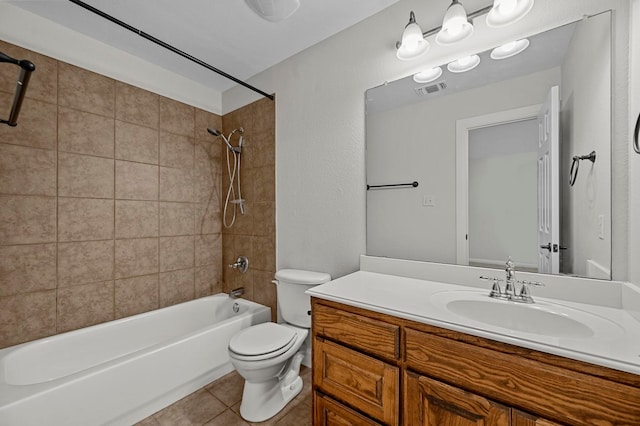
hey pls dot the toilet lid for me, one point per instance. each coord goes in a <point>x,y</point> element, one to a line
<point>262,339</point>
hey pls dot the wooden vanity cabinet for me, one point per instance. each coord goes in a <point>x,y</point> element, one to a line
<point>371,368</point>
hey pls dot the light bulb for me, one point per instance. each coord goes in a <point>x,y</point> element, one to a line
<point>506,7</point>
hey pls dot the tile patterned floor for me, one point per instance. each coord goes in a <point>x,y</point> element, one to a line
<point>218,404</point>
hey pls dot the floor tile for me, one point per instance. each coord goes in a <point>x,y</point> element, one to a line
<point>228,418</point>
<point>195,409</point>
<point>228,389</point>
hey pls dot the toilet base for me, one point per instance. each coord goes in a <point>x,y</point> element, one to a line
<point>261,401</point>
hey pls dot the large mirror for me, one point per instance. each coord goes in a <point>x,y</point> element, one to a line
<point>474,167</point>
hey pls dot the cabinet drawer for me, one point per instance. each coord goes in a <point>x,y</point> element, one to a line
<point>367,384</point>
<point>369,335</point>
<point>331,413</point>
<point>555,393</point>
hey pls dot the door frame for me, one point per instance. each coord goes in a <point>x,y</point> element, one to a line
<point>463,127</point>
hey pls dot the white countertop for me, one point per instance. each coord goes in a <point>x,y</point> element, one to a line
<point>411,298</point>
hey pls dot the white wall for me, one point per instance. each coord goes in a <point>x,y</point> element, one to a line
<point>28,30</point>
<point>586,127</point>
<point>320,182</point>
<point>418,142</point>
<point>634,159</point>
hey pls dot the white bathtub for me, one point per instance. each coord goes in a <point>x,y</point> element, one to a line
<point>120,372</point>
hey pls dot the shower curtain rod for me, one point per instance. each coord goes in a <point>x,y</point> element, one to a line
<point>168,47</point>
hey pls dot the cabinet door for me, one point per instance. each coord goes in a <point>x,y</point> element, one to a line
<point>367,384</point>
<point>428,402</point>
<point>518,418</point>
<point>331,413</point>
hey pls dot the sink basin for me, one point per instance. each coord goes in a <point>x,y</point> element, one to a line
<point>540,318</point>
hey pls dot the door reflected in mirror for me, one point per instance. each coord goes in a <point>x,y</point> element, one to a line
<point>481,146</point>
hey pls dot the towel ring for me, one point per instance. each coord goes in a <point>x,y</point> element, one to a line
<point>636,146</point>
<point>573,174</point>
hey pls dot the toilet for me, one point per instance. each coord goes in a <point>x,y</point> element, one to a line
<point>268,355</point>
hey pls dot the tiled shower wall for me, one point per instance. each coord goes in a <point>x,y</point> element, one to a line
<point>253,234</point>
<point>110,201</point>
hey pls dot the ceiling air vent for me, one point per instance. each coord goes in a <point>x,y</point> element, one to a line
<point>427,90</point>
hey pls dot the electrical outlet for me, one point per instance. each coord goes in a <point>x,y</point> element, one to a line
<point>429,201</point>
<point>601,227</point>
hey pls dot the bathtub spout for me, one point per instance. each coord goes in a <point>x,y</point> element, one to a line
<point>236,292</point>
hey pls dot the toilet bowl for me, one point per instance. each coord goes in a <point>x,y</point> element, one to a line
<point>268,355</point>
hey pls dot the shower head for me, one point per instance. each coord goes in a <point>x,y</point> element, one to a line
<point>217,133</point>
<point>213,131</point>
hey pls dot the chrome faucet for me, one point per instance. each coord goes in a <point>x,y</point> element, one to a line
<point>236,292</point>
<point>510,293</point>
<point>241,264</point>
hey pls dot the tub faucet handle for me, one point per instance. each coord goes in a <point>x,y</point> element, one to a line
<point>241,264</point>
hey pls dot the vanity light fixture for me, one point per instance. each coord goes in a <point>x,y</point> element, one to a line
<point>510,49</point>
<point>464,64</point>
<point>456,26</point>
<point>427,76</point>
<point>505,12</point>
<point>413,43</point>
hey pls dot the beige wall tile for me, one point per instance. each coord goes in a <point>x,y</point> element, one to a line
<point>176,117</point>
<point>206,119</point>
<point>136,181</point>
<point>208,219</point>
<point>176,287</point>
<point>85,133</point>
<point>37,124</point>
<point>27,171</point>
<point>43,83</point>
<point>84,219</point>
<point>264,223</point>
<point>263,146</point>
<point>176,184</point>
<point>209,250</point>
<point>263,113</point>
<point>265,292</point>
<point>27,219</point>
<point>136,257</point>
<point>85,90</point>
<point>27,317</point>
<point>136,143</point>
<point>84,176</point>
<point>176,219</point>
<point>264,253</point>
<point>136,219</point>
<point>208,280</point>
<point>264,185</point>
<point>85,305</point>
<point>176,253</point>
<point>27,268</point>
<point>176,150</point>
<point>207,176</point>
<point>136,295</point>
<point>85,262</point>
<point>136,105</point>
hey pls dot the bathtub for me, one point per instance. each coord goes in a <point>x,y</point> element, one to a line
<point>120,372</point>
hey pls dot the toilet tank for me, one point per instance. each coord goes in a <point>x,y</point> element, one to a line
<point>293,303</point>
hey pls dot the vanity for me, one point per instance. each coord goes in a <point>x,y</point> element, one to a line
<point>392,347</point>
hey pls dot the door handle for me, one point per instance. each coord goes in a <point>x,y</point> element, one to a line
<point>553,248</point>
<point>636,145</point>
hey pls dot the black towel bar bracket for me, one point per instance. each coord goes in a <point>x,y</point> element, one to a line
<point>26,68</point>
<point>413,184</point>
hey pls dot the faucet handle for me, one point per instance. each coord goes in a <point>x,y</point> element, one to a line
<point>525,294</point>
<point>496,290</point>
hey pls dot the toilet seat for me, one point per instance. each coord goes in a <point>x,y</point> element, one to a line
<point>262,341</point>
